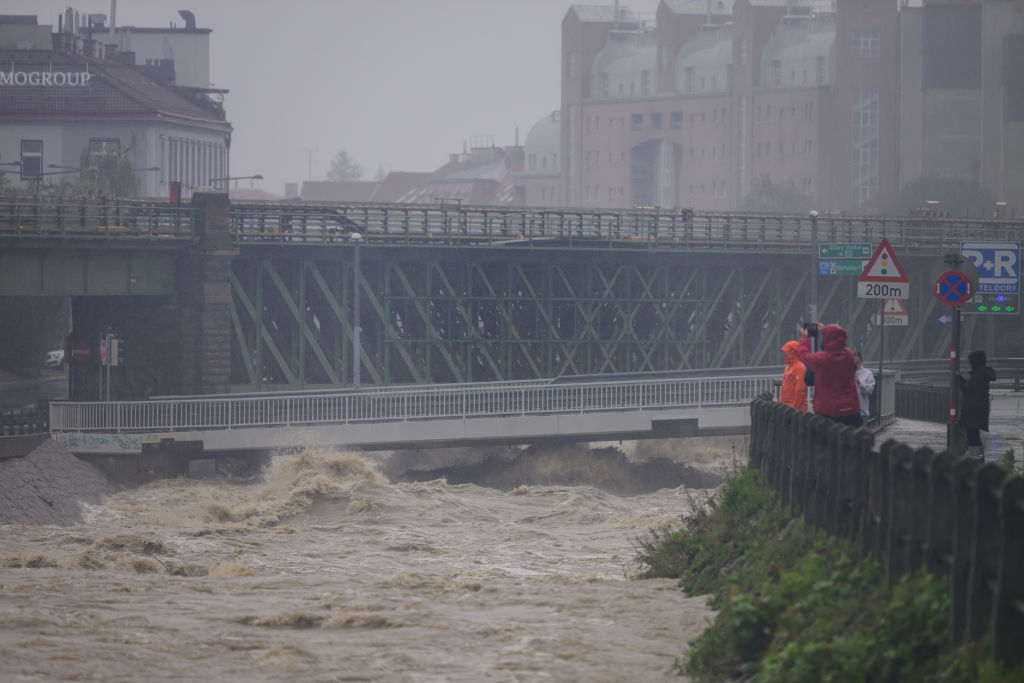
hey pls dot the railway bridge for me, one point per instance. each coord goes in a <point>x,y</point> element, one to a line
<point>221,297</point>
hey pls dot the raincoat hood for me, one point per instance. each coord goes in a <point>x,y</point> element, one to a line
<point>789,350</point>
<point>833,338</point>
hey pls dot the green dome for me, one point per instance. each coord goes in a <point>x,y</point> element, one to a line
<point>800,54</point>
<point>624,67</point>
<point>702,64</point>
<point>542,145</point>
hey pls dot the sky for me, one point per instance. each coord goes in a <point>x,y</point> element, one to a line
<point>398,84</point>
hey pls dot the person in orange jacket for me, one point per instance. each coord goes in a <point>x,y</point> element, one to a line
<point>794,391</point>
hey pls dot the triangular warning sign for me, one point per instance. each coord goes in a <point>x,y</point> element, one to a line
<point>883,266</point>
<point>894,307</point>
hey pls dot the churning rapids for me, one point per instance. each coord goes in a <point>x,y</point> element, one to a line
<point>340,567</point>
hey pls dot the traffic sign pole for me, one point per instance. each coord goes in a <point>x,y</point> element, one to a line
<point>954,261</point>
<point>954,385</point>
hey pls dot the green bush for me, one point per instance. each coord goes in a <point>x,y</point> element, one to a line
<point>795,606</point>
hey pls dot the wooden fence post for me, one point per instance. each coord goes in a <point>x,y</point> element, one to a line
<point>921,465</point>
<point>801,465</point>
<point>981,583</point>
<point>881,483</point>
<point>900,491</point>
<point>963,523</point>
<point>1008,625</point>
<point>791,444</point>
<point>836,438</point>
<point>817,456</point>
<point>939,545</point>
<point>863,442</point>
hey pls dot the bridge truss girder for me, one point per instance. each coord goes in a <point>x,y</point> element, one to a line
<point>475,314</point>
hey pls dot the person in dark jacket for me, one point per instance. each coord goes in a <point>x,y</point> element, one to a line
<point>975,406</point>
<point>835,384</point>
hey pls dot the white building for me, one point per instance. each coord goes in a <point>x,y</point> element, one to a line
<point>68,102</point>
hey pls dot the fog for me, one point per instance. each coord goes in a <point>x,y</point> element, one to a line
<point>399,84</point>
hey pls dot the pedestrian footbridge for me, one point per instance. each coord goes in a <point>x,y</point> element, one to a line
<point>580,409</point>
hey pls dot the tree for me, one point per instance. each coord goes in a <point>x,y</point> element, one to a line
<point>768,197</point>
<point>956,196</point>
<point>344,168</point>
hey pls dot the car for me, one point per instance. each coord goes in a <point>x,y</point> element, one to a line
<point>54,359</point>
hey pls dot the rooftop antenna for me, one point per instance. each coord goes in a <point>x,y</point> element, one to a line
<point>616,18</point>
<point>113,19</point>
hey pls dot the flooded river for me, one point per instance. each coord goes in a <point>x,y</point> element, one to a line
<point>325,569</point>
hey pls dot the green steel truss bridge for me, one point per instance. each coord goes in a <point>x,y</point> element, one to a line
<point>456,294</point>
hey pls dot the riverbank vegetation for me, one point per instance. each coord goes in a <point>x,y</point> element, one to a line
<point>796,605</point>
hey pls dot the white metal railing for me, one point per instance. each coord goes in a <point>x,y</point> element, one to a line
<point>466,401</point>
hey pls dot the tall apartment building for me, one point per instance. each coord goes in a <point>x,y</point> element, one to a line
<point>844,102</point>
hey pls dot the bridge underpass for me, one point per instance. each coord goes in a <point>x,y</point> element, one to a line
<point>262,293</point>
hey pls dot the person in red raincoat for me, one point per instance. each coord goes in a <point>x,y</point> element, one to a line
<point>794,391</point>
<point>835,371</point>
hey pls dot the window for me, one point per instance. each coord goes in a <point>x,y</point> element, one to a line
<point>743,51</point>
<point>866,43</point>
<point>865,145</point>
<point>808,111</point>
<point>645,82</point>
<point>604,84</point>
<point>676,119</point>
<point>570,65</point>
<point>533,161</point>
<point>819,67</point>
<point>636,122</point>
<point>662,66</point>
<point>31,159</point>
<point>103,148</point>
<point>808,149</point>
<point>776,73</point>
<point>688,79</point>
<point>656,121</point>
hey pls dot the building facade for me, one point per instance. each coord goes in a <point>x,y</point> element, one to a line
<point>71,107</point>
<point>839,104</point>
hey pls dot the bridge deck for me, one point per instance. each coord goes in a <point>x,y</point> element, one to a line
<point>405,417</point>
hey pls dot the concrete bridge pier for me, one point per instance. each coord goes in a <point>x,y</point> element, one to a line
<point>205,281</point>
<point>177,344</point>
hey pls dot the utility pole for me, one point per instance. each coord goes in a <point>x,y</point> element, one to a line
<point>309,162</point>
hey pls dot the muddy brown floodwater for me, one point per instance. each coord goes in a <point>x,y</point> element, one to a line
<point>326,570</point>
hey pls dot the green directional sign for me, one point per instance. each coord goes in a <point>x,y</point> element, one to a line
<point>993,304</point>
<point>829,267</point>
<point>842,250</point>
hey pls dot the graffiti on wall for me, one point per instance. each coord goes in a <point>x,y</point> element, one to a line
<point>85,442</point>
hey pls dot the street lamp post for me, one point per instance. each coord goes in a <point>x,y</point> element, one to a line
<point>356,327</point>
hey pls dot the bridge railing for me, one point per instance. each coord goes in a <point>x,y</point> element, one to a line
<point>465,401</point>
<point>318,222</point>
<point>297,223</point>
<point>29,216</point>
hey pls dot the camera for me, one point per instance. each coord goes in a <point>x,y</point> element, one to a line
<point>812,329</point>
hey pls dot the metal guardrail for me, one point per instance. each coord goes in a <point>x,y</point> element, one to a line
<point>117,218</point>
<point>318,222</point>
<point>297,223</point>
<point>465,401</point>
<point>27,421</point>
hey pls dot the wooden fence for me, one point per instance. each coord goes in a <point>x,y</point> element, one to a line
<point>911,508</point>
